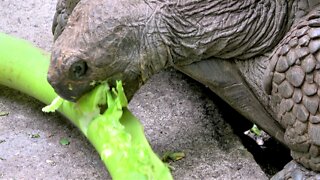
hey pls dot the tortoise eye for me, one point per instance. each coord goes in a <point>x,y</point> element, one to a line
<point>79,69</point>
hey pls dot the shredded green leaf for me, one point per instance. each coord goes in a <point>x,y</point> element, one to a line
<point>64,141</point>
<point>256,130</point>
<point>173,156</point>
<point>56,103</point>
<point>35,136</point>
<point>116,134</point>
<point>4,113</point>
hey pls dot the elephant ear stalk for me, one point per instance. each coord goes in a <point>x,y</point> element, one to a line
<point>116,133</point>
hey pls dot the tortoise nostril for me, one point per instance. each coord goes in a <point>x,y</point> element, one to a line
<point>79,69</point>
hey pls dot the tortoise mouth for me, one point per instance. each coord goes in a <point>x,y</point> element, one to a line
<point>73,95</point>
<point>70,91</point>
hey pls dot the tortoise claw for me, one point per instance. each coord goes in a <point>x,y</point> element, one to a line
<point>295,171</point>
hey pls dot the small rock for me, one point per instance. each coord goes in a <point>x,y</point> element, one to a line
<point>52,163</point>
<point>259,141</point>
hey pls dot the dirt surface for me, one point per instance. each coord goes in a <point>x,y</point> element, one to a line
<point>178,114</point>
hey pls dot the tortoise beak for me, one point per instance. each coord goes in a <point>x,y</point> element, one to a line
<point>68,90</point>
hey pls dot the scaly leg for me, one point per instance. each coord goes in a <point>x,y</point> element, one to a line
<point>294,85</point>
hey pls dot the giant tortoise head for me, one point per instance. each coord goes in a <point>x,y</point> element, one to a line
<point>97,44</point>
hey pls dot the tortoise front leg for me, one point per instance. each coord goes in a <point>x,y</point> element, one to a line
<point>223,78</point>
<point>295,89</point>
<point>294,170</point>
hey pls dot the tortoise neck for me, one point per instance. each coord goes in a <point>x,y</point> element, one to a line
<point>154,52</point>
<point>154,56</point>
<point>225,29</point>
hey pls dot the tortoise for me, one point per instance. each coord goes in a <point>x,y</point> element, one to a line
<point>261,56</point>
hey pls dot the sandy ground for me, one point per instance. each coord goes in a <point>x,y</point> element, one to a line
<point>178,113</point>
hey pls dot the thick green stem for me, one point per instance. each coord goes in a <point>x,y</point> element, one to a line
<point>116,134</point>
<point>23,67</point>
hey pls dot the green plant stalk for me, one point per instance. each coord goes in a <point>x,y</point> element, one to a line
<point>23,67</point>
<point>116,134</point>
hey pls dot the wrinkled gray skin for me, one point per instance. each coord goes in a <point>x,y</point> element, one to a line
<point>260,56</point>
